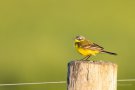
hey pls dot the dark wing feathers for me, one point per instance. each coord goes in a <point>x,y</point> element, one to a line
<point>92,46</point>
<point>96,45</point>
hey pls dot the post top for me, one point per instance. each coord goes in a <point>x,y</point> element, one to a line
<point>100,62</point>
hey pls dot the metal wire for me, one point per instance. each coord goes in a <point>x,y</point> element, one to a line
<point>57,82</point>
<point>32,83</point>
<point>126,80</point>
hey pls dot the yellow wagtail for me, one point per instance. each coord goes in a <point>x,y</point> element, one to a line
<point>87,48</point>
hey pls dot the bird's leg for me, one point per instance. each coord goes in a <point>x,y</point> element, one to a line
<point>86,59</point>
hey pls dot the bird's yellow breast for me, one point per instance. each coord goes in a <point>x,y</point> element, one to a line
<point>87,52</point>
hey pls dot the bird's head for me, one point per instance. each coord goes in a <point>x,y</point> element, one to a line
<point>79,38</point>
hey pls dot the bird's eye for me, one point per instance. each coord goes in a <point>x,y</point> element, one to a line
<point>80,38</point>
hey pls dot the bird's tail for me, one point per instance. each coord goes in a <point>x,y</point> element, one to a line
<point>111,53</point>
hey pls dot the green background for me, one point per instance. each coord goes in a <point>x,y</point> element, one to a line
<point>37,36</point>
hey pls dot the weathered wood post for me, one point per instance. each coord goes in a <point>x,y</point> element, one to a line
<point>89,75</point>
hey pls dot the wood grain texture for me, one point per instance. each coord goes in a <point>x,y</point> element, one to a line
<point>89,75</point>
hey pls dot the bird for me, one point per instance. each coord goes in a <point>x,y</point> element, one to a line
<point>88,48</point>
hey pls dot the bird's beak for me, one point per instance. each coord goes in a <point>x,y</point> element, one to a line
<point>76,40</point>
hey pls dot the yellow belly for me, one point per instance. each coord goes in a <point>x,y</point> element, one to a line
<point>87,52</point>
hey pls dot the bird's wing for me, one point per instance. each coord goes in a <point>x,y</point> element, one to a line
<point>96,45</point>
<point>93,46</point>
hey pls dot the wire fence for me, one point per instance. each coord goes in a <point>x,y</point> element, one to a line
<point>61,82</point>
<point>32,83</point>
<point>126,80</point>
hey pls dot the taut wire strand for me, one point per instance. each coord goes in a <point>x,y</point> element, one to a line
<point>32,83</point>
<point>57,82</point>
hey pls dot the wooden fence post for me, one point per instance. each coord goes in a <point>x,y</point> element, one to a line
<point>92,75</point>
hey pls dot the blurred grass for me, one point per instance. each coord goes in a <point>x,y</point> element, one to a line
<point>37,38</point>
